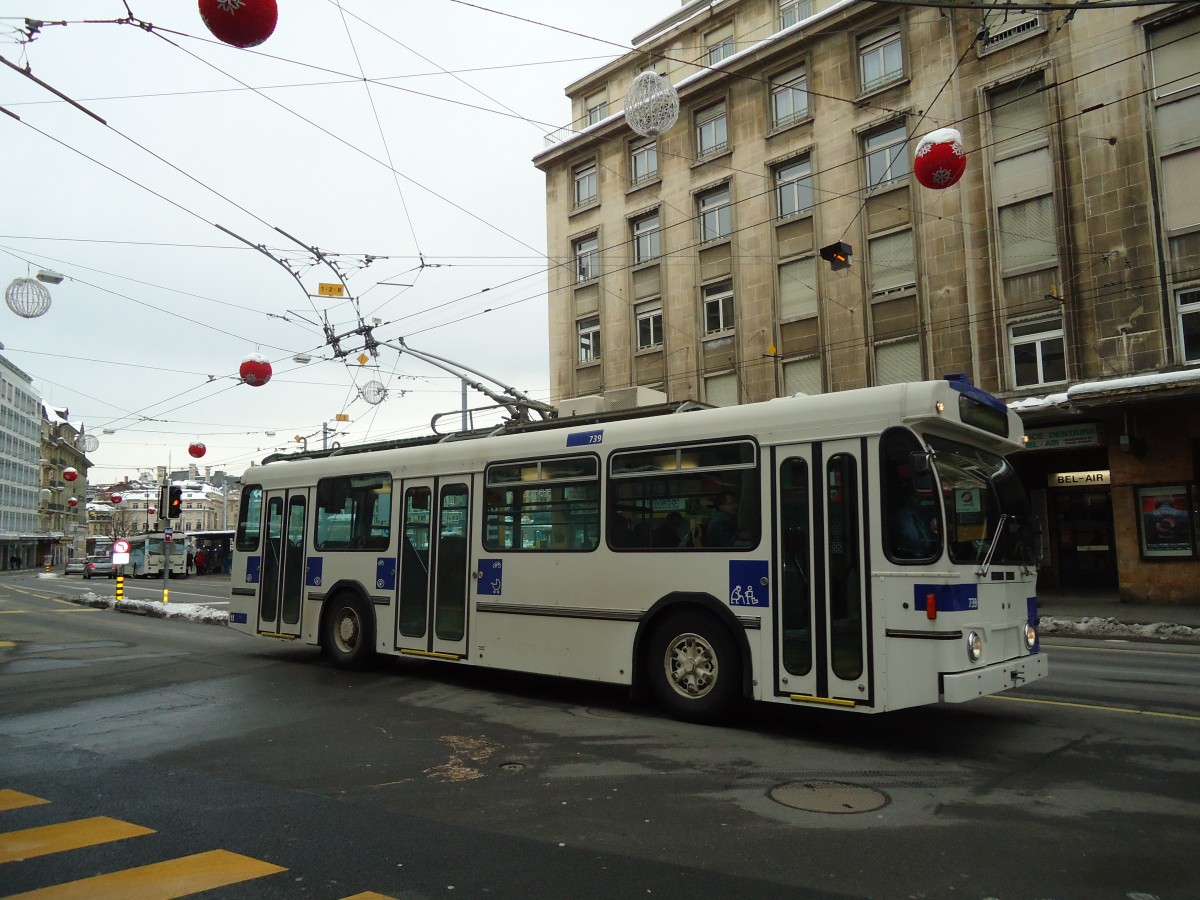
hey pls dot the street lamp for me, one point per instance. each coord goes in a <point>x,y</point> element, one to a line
<point>149,512</point>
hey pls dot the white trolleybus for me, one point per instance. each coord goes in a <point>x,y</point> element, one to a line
<point>867,550</point>
<point>147,554</point>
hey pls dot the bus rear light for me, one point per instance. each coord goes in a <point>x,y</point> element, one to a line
<point>931,606</point>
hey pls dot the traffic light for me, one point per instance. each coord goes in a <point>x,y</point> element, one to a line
<point>837,255</point>
<point>174,501</point>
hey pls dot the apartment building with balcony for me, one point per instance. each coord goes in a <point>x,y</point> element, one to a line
<point>1062,272</point>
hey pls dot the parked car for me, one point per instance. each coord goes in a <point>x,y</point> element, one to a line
<point>77,565</point>
<point>100,566</point>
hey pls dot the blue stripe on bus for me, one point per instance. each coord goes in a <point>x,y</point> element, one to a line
<point>949,597</point>
<point>253,567</point>
<point>313,569</point>
<point>238,618</point>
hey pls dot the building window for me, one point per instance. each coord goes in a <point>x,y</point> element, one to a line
<point>589,339</point>
<point>789,98</point>
<point>802,376</point>
<point>711,135</point>
<point>897,362</point>
<point>714,214</point>
<point>643,160</point>
<point>1022,176</point>
<point>1038,355</point>
<point>721,390</point>
<point>798,289</point>
<point>1188,304</point>
<point>793,188</point>
<point>649,324</point>
<point>1174,50</point>
<point>880,59</point>
<point>893,263</point>
<point>585,184</point>
<point>718,45</point>
<point>587,258</point>
<point>646,238</point>
<point>597,107</point>
<point>887,161</point>
<point>793,11</point>
<point>1006,26</point>
<point>718,307</point>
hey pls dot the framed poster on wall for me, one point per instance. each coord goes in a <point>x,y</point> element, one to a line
<point>1165,521</point>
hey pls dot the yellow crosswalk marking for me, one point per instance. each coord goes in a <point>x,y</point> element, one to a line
<point>47,839</point>
<point>10,799</point>
<point>161,881</point>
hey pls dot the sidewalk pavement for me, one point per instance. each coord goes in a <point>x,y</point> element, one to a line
<point>1081,605</point>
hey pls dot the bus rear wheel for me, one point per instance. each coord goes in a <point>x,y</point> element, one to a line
<point>694,668</point>
<point>350,632</point>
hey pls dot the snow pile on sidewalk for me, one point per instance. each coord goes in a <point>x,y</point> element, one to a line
<point>193,612</point>
<point>1098,626</point>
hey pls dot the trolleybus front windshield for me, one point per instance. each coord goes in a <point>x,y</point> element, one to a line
<point>980,491</point>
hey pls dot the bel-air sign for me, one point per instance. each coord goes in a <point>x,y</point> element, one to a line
<point>1078,479</point>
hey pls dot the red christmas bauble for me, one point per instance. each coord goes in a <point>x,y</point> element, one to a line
<point>240,23</point>
<point>116,498</point>
<point>74,501</point>
<point>69,474</point>
<point>940,159</point>
<point>255,370</point>
<point>197,449</point>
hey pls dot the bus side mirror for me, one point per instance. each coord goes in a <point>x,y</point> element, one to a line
<point>922,471</point>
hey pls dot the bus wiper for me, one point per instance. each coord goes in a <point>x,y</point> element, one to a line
<point>987,559</point>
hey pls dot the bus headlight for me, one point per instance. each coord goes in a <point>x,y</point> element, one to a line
<point>974,646</point>
<point>1031,635</point>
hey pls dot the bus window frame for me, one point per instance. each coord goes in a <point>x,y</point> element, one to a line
<point>537,465</point>
<point>241,540</point>
<point>749,519</point>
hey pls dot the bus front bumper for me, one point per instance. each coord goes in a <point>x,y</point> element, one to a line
<point>958,687</point>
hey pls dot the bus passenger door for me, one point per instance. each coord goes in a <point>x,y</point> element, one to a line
<point>281,584</point>
<point>434,555</point>
<point>823,640</point>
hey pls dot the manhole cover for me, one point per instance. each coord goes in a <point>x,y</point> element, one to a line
<point>828,796</point>
<point>512,766</point>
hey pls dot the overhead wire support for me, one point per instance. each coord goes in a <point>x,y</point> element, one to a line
<point>516,402</point>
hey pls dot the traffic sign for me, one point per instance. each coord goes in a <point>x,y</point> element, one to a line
<point>325,289</point>
<point>168,534</point>
<point>120,546</point>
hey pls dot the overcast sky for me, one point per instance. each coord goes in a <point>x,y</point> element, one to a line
<point>143,340</point>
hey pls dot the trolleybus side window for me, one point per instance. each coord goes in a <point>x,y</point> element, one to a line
<point>250,517</point>
<point>694,496</point>
<point>354,512</point>
<point>796,599</point>
<point>547,504</point>
<point>911,516</point>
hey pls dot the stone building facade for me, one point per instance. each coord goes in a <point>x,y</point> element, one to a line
<point>1062,272</point>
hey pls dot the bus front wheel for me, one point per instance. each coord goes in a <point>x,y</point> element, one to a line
<point>694,668</point>
<point>350,632</point>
